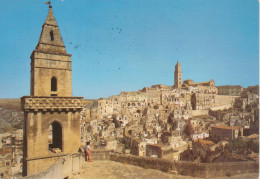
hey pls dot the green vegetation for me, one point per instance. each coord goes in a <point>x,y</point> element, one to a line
<point>238,146</point>
<point>253,146</point>
<point>241,147</point>
<point>127,146</point>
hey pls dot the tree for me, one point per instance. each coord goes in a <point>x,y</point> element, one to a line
<point>238,146</point>
<point>253,146</point>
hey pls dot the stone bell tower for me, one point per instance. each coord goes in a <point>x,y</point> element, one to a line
<point>52,126</point>
<point>177,76</point>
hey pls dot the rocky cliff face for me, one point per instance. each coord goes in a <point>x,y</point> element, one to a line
<point>11,115</point>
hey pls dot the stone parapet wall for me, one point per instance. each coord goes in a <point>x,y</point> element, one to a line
<point>72,164</point>
<point>204,170</point>
<point>182,168</point>
<point>230,168</point>
<point>55,171</point>
<point>66,166</point>
<point>100,155</point>
<point>51,103</point>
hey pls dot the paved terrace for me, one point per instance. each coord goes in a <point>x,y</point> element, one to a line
<point>106,169</point>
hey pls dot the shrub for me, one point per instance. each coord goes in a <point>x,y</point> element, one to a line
<point>238,146</point>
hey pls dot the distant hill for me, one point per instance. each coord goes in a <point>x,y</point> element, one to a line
<point>88,101</point>
<point>11,115</point>
<point>11,104</point>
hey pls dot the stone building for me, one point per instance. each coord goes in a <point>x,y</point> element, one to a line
<point>181,113</point>
<point>207,87</point>
<point>201,148</point>
<point>226,132</point>
<point>201,101</point>
<point>195,125</point>
<point>178,76</point>
<point>253,89</point>
<point>254,124</point>
<point>50,109</point>
<point>222,100</point>
<point>190,82</point>
<point>201,135</point>
<point>138,147</point>
<point>176,142</point>
<point>11,153</point>
<point>163,151</point>
<point>5,166</point>
<point>111,144</point>
<point>155,150</point>
<point>233,90</point>
<point>105,108</point>
<point>248,99</point>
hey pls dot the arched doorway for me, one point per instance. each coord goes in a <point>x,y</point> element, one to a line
<point>55,137</point>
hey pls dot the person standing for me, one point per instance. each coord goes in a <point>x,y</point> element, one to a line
<point>88,152</point>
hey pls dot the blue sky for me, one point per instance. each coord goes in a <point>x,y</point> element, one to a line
<point>124,45</point>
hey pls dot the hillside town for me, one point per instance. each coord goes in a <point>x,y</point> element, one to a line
<point>187,121</point>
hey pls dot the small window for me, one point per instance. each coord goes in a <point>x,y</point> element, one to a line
<point>53,84</point>
<point>51,36</point>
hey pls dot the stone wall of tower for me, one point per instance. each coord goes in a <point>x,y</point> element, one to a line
<point>177,76</point>
<point>44,66</point>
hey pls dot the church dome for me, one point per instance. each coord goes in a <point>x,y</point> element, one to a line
<point>188,82</point>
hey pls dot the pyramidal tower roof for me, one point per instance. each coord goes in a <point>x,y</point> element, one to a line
<point>50,20</point>
<point>50,40</point>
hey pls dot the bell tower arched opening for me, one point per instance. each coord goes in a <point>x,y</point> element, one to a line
<point>51,36</point>
<point>55,137</point>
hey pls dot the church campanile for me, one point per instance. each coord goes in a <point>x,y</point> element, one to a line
<point>177,76</point>
<point>51,114</point>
